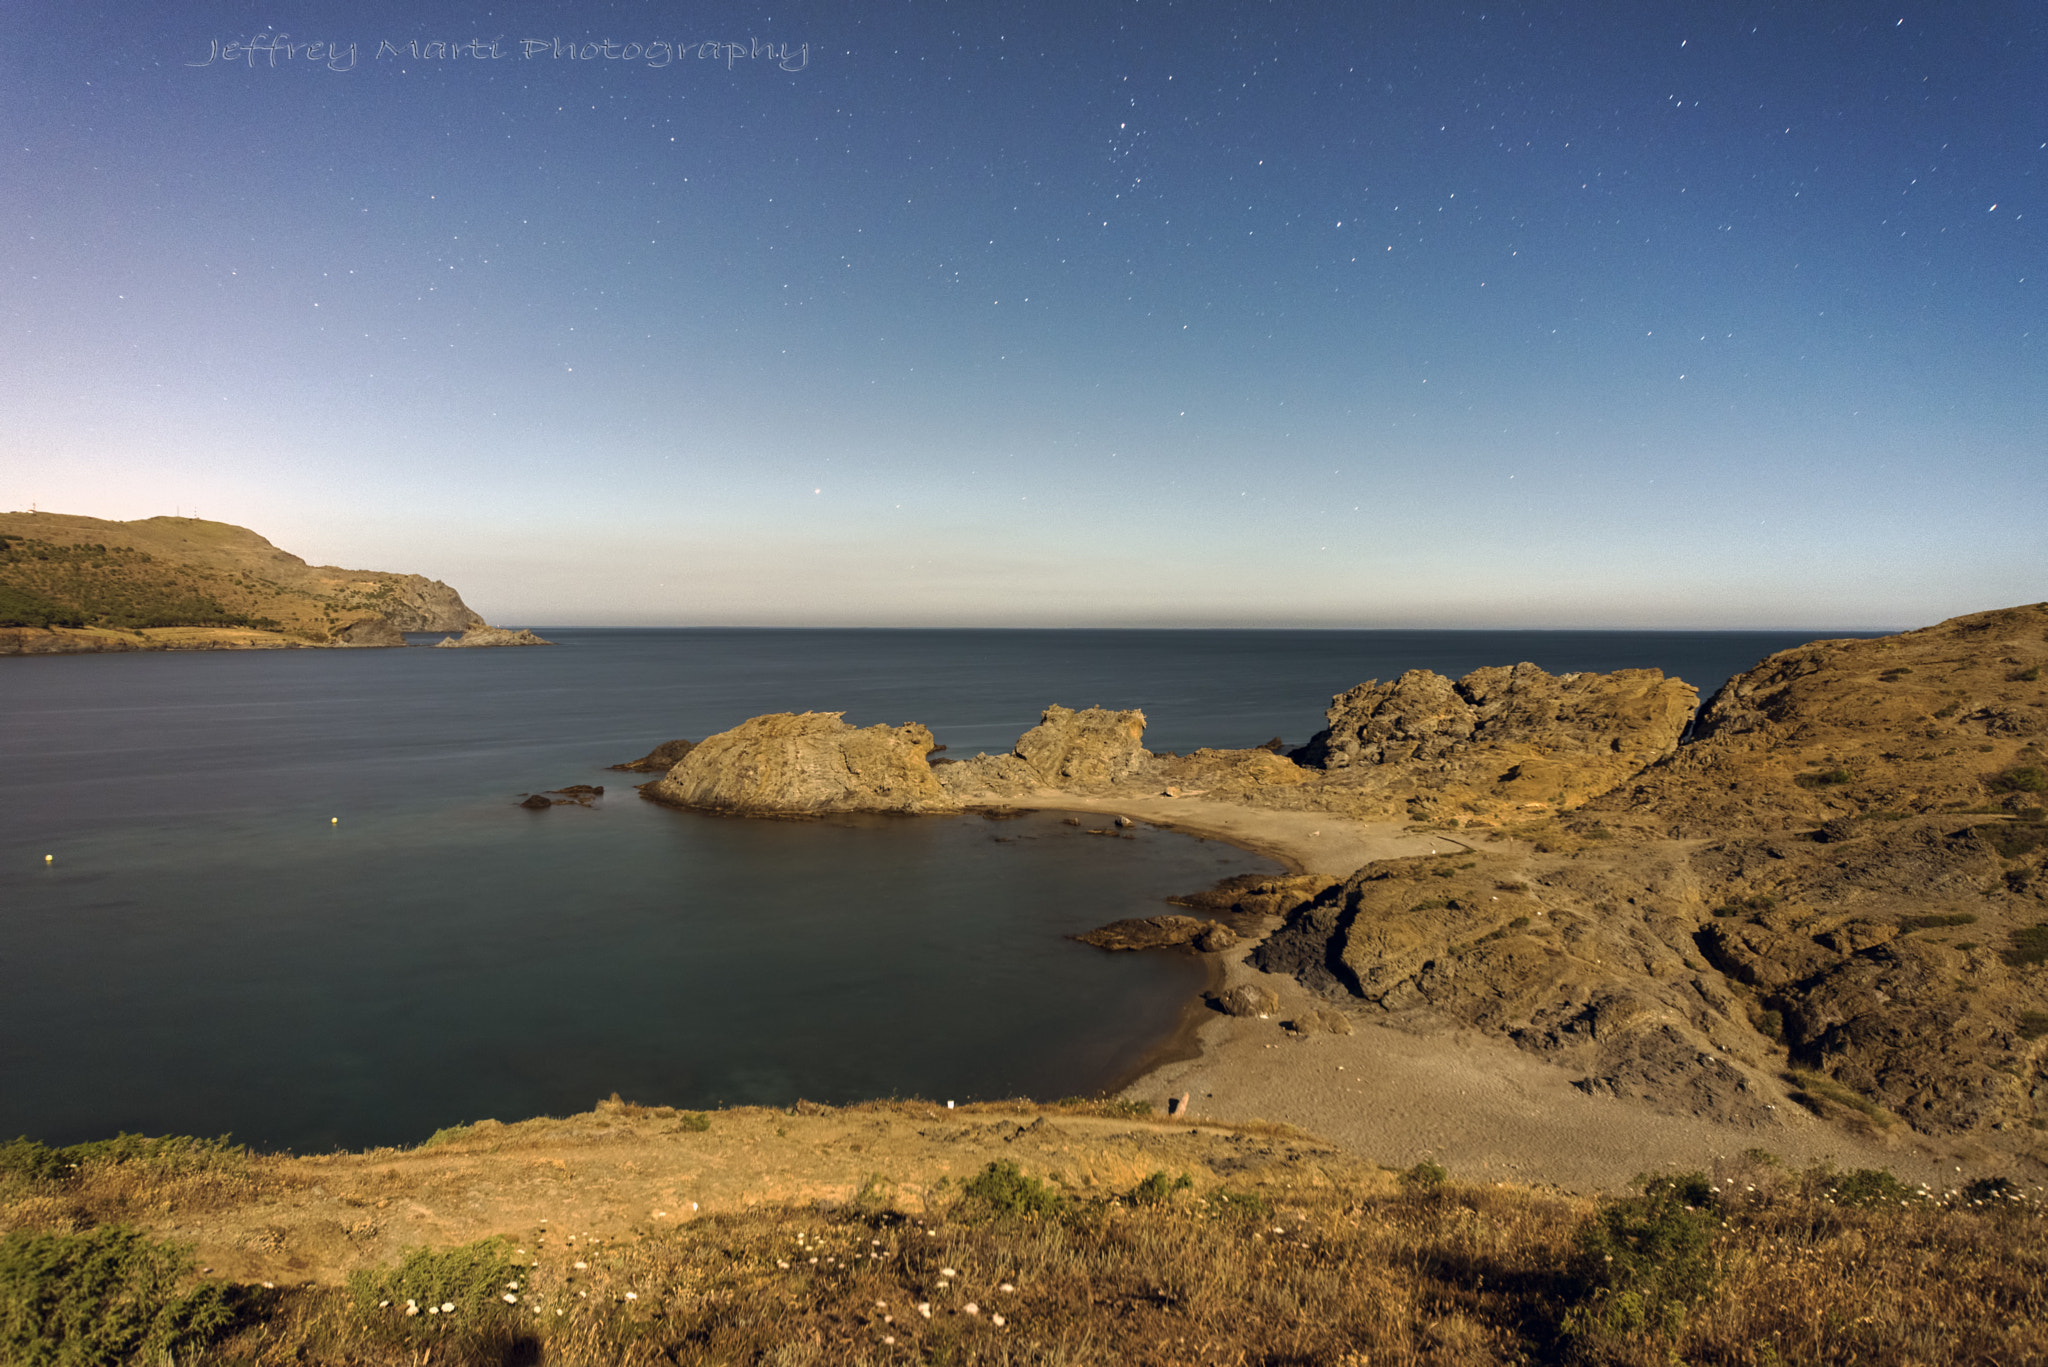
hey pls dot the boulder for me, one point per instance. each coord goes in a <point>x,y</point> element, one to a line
<point>1248,999</point>
<point>1320,1021</point>
<point>791,763</point>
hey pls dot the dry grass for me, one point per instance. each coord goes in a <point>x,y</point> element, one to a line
<point>1441,1274</point>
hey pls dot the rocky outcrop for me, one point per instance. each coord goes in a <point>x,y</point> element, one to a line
<point>414,602</point>
<point>1500,741</point>
<point>1086,751</point>
<point>660,759</point>
<point>369,631</point>
<point>793,764</point>
<point>1161,932</point>
<point>1841,729</point>
<point>493,636</point>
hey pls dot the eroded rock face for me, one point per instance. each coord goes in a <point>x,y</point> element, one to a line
<point>370,631</point>
<point>1095,745</point>
<point>1500,740</point>
<point>417,603</point>
<point>792,763</point>
<point>1088,751</point>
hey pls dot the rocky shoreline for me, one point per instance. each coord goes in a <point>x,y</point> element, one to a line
<point>1825,907</point>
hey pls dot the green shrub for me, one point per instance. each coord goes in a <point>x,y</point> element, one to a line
<point>2022,778</point>
<point>1425,1177</point>
<point>1865,1188</point>
<point>1645,1261</point>
<point>1002,1189</point>
<point>1820,1085</point>
<point>2031,674</point>
<point>1158,1189</point>
<point>109,1295</point>
<point>28,1162</point>
<point>694,1121</point>
<point>1248,1204</point>
<point>2033,1024</point>
<point>1912,923</point>
<point>1827,778</point>
<point>2029,946</point>
<point>413,1300</point>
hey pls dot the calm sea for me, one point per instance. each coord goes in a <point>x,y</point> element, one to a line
<point>290,896</point>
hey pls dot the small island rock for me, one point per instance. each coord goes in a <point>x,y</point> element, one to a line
<point>790,763</point>
<point>493,636</point>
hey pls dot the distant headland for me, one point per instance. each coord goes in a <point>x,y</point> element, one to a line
<point>72,585</point>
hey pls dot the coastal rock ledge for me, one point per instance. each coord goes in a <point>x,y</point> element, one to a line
<point>805,763</point>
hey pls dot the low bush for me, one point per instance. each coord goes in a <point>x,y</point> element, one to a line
<point>465,1297</point>
<point>1935,922</point>
<point>2028,946</point>
<point>2022,778</point>
<point>109,1295</point>
<point>1002,1189</point>
<point>1158,1189</point>
<point>1645,1263</point>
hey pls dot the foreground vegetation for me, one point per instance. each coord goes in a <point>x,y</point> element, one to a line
<point>1753,1265</point>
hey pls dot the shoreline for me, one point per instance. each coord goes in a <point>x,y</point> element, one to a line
<point>1397,1092</point>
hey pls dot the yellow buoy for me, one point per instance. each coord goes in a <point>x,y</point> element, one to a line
<point>49,859</point>
<point>334,821</point>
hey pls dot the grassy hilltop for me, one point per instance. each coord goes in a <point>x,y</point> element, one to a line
<point>1009,1233</point>
<point>84,574</point>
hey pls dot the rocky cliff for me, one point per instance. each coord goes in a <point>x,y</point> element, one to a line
<point>1838,884</point>
<point>75,579</point>
<point>1500,742</point>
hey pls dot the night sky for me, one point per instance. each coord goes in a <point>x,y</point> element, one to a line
<point>906,312</point>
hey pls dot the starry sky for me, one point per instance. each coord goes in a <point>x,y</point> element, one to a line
<point>1128,312</point>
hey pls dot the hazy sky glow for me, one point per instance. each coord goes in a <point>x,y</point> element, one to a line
<point>1714,314</point>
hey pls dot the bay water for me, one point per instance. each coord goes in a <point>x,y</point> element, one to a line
<point>289,895</point>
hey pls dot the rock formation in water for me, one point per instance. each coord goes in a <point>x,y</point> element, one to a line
<point>660,759</point>
<point>493,636</point>
<point>806,763</point>
<point>1162,932</point>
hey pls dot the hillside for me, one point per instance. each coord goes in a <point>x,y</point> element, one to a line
<point>91,584</point>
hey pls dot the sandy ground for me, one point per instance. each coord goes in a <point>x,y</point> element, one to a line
<point>1307,842</point>
<point>1483,1108</point>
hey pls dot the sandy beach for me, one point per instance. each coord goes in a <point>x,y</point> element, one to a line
<point>1480,1106</point>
